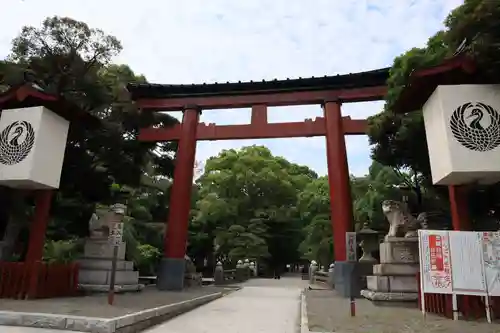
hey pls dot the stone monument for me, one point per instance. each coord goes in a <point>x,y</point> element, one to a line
<point>394,279</point>
<point>95,266</point>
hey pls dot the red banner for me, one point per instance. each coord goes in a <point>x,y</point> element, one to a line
<point>436,253</point>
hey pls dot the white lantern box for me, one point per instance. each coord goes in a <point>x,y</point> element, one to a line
<point>462,125</point>
<point>32,145</point>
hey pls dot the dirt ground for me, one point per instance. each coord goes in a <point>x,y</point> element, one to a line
<point>97,306</point>
<point>328,312</point>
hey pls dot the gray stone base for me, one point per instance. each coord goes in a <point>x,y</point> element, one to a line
<point>103,277</point>
<point>104,264</point>
<point>391,299</point>
<point>392,284</point>
<point>99,288</point>
<point>399,250</point>
<point>350,277</point>
<point>396,269</point>
<point>101,249</point>
<point>130,323</point>
<point>171,274</point>
<point>96,266</point>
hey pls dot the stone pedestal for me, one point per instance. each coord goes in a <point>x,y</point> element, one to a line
<point>171,273</point>
<point>394,279</point>
<point>95,268</point>
<point>349,278</point>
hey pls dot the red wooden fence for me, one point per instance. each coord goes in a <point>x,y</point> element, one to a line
<point>469,307</point>
<point>21,280</point>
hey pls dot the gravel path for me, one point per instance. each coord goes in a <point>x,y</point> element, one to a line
<point>97,306</point>
<point>328,312</point>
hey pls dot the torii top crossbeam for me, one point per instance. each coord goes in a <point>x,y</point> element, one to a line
<point>357,87</point>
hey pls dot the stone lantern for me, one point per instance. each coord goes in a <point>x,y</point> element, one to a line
<point>312,270</point>
<point>219,274</point>
<point>369,241</point>
<point>253,269</point>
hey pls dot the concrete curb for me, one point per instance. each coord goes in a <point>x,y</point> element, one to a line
<point>298,319</point>
<point>304,321</point>
<point>130,323</point>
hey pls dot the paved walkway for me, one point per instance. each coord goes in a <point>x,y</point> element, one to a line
<point>264,305</point>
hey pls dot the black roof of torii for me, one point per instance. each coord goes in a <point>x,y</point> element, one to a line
<point>372,78</point>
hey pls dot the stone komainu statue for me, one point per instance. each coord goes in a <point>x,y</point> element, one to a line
<point>191,277</point>
<point>401,222</point>
<point>101,219</point>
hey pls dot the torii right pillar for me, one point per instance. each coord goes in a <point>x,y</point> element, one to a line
<point>345,276</point>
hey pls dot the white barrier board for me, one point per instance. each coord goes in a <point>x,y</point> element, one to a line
<point>466,248</point>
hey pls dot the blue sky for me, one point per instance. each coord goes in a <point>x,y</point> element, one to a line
<point>195,41</point>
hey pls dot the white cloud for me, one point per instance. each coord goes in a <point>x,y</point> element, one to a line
<point>193,41</point>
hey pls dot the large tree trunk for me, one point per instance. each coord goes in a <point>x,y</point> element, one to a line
<point>4,209</point>
<point>10,237</point>
<point>12,220</point>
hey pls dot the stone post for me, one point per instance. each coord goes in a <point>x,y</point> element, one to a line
<point>240,271</point>
<point>312,270</point>
<point>246,266</point>
<point>331,276</point>
<point>253,269</point>
<point>219,274</point>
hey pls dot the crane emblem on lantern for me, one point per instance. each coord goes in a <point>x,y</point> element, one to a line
<point>476,126</point>
<point>16,142</point>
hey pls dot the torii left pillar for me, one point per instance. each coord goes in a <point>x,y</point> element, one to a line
<point>172,266</point>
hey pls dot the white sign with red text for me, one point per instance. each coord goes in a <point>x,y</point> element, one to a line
<point>435,261</point>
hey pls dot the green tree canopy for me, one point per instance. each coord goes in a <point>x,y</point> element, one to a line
<point>248,205</point>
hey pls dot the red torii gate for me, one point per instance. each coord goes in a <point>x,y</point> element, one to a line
<point>328,91</point>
